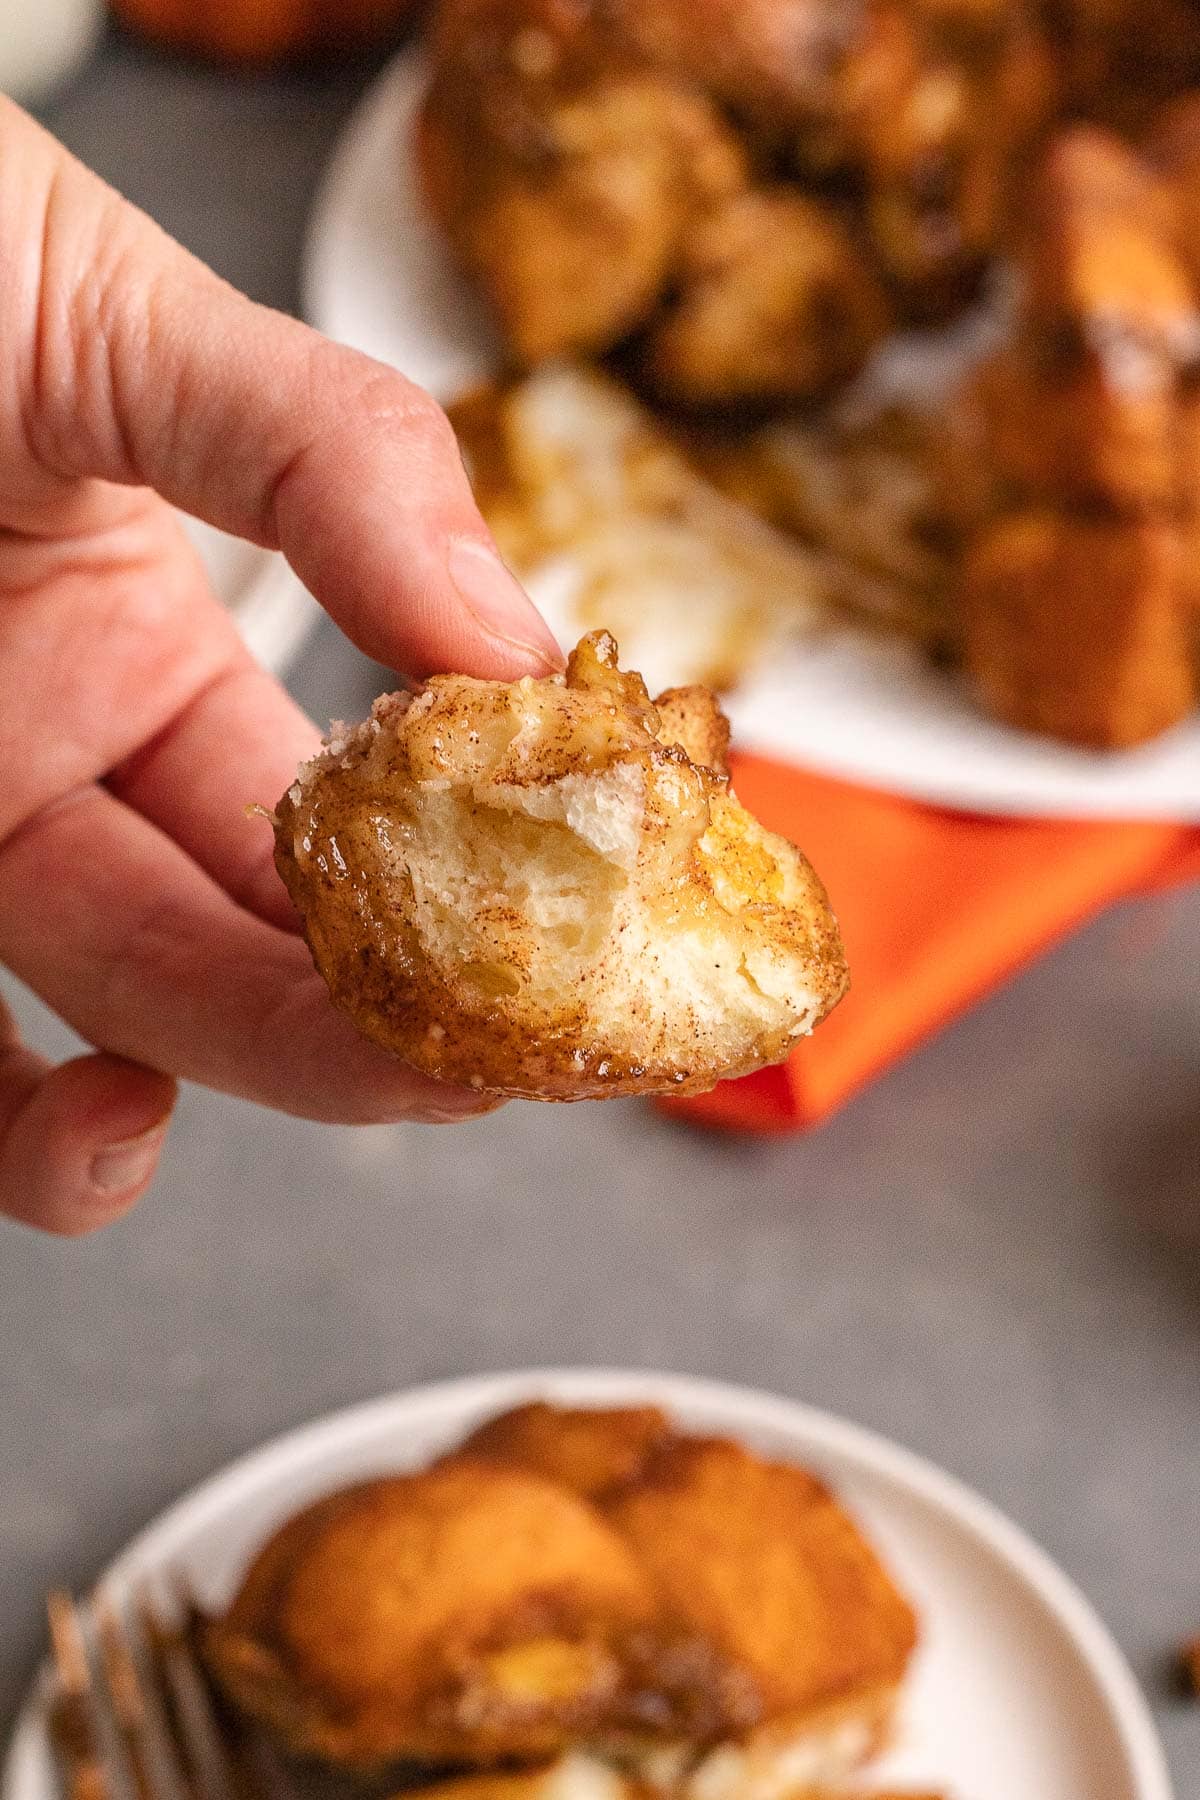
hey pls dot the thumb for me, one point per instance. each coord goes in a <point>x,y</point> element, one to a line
<point>78,1143</point>
<point>141,366</point>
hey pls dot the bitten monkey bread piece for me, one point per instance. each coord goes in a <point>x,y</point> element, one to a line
<point>547,888</point>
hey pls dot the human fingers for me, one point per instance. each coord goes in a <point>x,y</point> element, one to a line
<point>237,745</point>
<point>133,945</point>
<point>79,1143</point>
<point>118,639</point>
<point>130,361</point>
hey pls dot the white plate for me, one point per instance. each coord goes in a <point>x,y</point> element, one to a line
<point>1018,1692</point>
<point>273,610</point>
<point>377,276</point>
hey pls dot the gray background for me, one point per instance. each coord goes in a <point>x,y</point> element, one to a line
<point>993,1256</point>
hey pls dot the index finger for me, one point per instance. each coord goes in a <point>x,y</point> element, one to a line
<point>137,364</point>
<point>145,957</point>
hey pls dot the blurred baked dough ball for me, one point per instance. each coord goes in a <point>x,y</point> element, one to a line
<point>760,1560</point>
<point>1092,401</point>
<point>778,66</point>
<point>585,1448</point>
<point>774,302</point>
<point>941,104</point>
<point>582,158</point>
<point>547,888</point>
<point>468,1613</point>
<point>1081,628</point>
<point>565,173</point>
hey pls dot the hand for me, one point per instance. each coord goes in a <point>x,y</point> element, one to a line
<point>135,896</point>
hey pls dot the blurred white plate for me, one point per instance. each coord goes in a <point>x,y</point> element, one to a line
<point>1017,1693</point>
<point>274,612</point>
<point>377,276</point>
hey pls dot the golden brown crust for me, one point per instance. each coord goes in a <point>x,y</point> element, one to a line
<point>531,889</point>
<point>773,302</point>
<point>1075,596</point>
<point>760,1561</point>
<point>1086,406</point>
<point>591,162</point>
<point>572,255</point>
<point>563,168</point>
<point>472,1612</point>
<point>832,1741</point>
<point>1094,217</point>
<point>691,718</point>
<point>1079,627</point>
<point>587,1449</point>
<point>708,1605</point>
<point>777,64</point>
<point>943,102</point>
<point>1054,427</point>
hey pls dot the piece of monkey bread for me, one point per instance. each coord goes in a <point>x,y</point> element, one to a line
<point>462,1615</point>
<point>548,889</point>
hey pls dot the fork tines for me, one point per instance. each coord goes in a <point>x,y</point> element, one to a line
<point>131,1716</point>
<point>72,1726</point>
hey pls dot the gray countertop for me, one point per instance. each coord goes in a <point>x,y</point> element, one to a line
<point>993,1256</point>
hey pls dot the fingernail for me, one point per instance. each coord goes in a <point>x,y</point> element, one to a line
<point>433,1115</point>
<point>119,1167</point>
<point>498,601</point>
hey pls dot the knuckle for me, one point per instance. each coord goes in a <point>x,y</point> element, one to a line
<point>83,335</point>
<point>367,397</point>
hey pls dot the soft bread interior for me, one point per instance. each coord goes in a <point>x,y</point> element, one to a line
<point>549,887</point>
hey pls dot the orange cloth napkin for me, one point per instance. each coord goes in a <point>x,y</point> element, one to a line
<point>936,908</point>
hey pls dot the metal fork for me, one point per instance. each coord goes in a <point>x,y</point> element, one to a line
<point>131,1716</point>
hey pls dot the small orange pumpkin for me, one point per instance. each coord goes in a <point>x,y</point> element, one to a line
<point>260,31</point>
